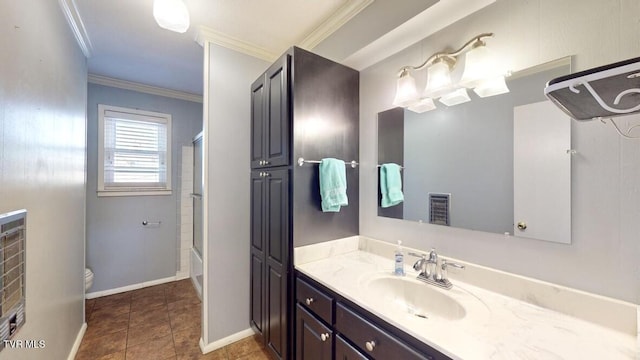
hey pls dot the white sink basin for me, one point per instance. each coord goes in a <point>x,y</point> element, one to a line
<point>416,297</point>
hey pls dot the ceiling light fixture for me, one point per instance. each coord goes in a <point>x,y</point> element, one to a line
<point>479,74</point>
<point>171,15</point>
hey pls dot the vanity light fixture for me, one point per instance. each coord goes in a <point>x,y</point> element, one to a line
<point>406,92</point>
<point>424,105</point>
<point>171,15</point>
<point>491,87</point>
<point>439,78</point>
<point>455,97</point>
<point>479,74</point>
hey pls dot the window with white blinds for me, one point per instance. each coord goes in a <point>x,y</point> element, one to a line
<point>134,152</point>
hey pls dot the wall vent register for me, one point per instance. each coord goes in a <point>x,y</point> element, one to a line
<point>12,279</point>
<point>439,209</point>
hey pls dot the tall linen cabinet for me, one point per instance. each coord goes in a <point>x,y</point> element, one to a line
<point>303,106</point>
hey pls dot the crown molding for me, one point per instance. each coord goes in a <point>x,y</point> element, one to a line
<point>233,43</point>
<point>428,22</point>
<point>72,14</point>
<point>340,17</point>
<point>147,89</point>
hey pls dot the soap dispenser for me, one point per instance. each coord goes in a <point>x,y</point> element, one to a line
<point>399,260</point>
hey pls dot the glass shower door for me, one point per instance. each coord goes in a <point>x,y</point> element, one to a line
<point>198,180</point>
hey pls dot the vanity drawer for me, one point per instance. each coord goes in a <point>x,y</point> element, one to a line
<point>372,340</point>
<point>314,300</point>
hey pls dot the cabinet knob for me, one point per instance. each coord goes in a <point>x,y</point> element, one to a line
<point>308,301</point>
<point>370,345</point>
<point>325,336</point>
<point>522,225</point>
<point>266,162</point>
<point>261,162</point>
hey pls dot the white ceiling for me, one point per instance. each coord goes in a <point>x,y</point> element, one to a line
<point>125,42</point>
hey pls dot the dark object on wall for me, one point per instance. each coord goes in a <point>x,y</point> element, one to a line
<point>302,106</point>
<point>602,92</point>
<point>13,236</point>
<point>390,150</point>
<point>440,209</point>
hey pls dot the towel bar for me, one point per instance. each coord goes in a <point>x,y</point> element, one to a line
<point>401,167</point>
<point>302,161</point>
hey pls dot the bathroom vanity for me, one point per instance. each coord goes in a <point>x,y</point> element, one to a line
<point>350,306</point>
<point>325,319</point>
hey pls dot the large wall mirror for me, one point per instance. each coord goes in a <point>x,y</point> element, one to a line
<point>500,164</point>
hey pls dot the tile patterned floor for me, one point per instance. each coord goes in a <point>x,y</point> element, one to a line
<point>155,323</point>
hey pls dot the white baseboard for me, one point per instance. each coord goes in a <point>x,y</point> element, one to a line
<point>76,344</point>
<point>198,287</point>
<point>129,287</point>
<point>181,275</point>
<point>225,341</point>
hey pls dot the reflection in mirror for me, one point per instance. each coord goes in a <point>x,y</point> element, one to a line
<point>500,164</point>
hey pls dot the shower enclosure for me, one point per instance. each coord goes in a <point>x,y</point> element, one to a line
<point>198,183</point>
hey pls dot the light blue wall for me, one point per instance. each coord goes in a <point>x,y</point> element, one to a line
<point>121,251</point>
<point>43,96</point>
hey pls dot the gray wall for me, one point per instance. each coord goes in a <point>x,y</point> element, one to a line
<point>476,168</point>
<point>227,133</point>
<point>605,174</point>
<point>43,87</point>
<point>121,251</point>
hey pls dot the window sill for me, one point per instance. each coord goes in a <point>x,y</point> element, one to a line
<point>110,193</point>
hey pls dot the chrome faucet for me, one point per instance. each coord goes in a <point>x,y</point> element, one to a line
<point>432,270</point>
<point>421,264</point>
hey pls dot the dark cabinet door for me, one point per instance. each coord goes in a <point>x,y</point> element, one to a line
<point>258,115</point>
<point>344,351</point>
<point>270,116</point>
<point>257,292</point>
<point>257,265</point>
<point>276,222</point>
<point>277,123</point>
<point>313,339</point>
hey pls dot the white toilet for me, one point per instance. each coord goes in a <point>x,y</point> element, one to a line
<point>88,279</point>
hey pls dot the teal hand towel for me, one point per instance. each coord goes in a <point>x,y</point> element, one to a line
<point>391,185</point>
<point>333,184</point>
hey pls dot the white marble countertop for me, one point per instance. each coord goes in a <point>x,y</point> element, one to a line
<point>495,326</point>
